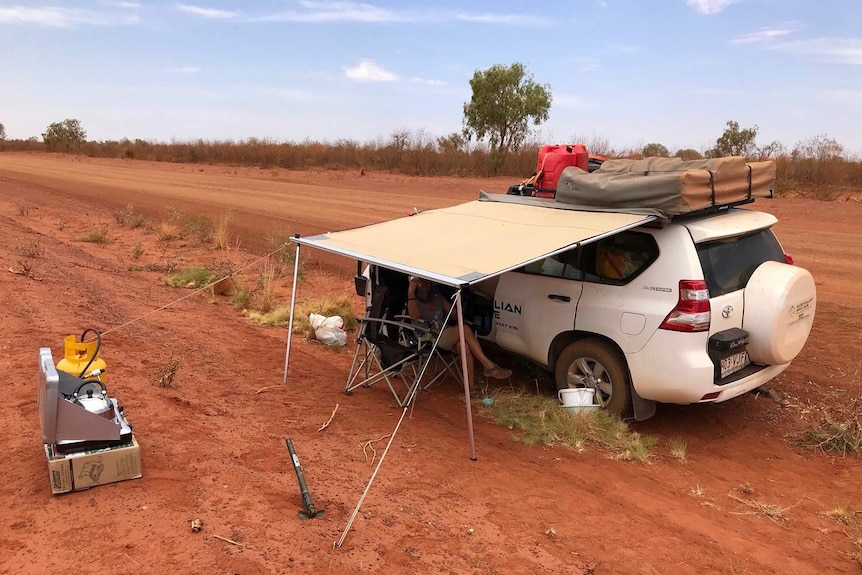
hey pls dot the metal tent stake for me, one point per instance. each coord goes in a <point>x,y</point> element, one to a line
<point>308,509</point>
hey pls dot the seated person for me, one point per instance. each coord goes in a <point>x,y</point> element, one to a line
<point>424,303</point>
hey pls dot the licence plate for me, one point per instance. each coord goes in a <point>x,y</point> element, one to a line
<point>734,363</point>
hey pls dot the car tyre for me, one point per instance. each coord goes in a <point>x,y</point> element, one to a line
<point>597,364</point>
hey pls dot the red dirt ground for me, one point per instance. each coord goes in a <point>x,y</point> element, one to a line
<point>213,448</point>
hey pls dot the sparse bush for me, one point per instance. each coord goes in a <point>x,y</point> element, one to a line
<point>542,421</point>
<point>137,252</point>
<point>166,232</point>
<point>97,235</point>
<point>267,283</point>
<point>842,434</point>
<point>280,240</point>
<point>655,150</point>
<point>241,298</point>
<point>23,211</point>
<point>27,253</point>
<point>192,278</point>
<point>61,224</point>
<point>166,373</point>
<point>129,217</point>
<point>688,154</point>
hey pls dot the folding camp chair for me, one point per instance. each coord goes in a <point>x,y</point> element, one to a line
<point>391,346</point>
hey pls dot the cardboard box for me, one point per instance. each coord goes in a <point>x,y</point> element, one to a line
<point>77,471</point>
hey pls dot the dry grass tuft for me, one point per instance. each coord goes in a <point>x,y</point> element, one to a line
<point>167,231</point>
<point>844,514</point>
<point>542,421</point>
<point>267,282</point>
<point>774,512</point>
<point>97,235</point>
<point>677,449</point>
<point>745,488</point>
<point>325,306</point>
<point>221,234</point>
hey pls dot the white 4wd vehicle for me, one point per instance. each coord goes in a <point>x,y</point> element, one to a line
<point>701,310</point>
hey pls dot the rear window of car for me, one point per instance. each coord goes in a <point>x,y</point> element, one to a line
<point>729,263</point>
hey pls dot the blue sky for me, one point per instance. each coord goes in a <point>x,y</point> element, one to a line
<point>630,71</point>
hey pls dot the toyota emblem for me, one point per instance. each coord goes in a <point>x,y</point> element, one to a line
<point>727,311</point>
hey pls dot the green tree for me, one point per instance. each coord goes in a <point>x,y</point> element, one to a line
<point>735,141</point>
<point>655,150</point>
<point>65,136</point>
<point>2,132</point>
<point>505,102</point>
<point>688,154</point>
<point>452,143</point>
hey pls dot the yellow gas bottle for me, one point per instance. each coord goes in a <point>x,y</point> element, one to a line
<point>83,356</point>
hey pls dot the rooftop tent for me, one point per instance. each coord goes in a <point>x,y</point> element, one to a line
<point>467,243</point>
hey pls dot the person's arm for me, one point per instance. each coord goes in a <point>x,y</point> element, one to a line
<point>412,305</point>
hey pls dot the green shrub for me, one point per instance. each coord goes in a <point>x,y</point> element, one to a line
<point>195,277</point>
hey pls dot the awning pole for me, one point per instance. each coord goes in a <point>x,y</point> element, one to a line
<point>466,375</point>
<point>292,306</point>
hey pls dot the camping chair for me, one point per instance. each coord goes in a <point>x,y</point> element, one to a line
<point>392,346</point>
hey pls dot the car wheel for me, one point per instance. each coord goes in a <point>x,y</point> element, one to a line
<point>596,364</point>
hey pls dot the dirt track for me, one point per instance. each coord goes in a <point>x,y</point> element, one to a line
<point>213,448</point>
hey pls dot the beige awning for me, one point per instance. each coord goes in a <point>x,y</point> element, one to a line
<point>467,243</point>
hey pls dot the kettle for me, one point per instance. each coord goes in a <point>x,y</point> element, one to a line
<point>98,404</point>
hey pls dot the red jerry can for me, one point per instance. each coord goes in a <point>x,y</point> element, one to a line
<point>553,159</point>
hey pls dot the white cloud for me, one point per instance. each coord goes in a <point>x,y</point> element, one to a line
<point>709,7</point>
<point>503,19</point>
<point>428,81</point>
<point>834,50</point>
<point>56,17</point>
<point>335,12</point>
<point>121,4</point>
<point>211,13</point>
<point>368,71</point>
<point>762,35</point>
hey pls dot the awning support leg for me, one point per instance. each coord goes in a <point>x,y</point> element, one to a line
<point>292,307</point>
<point>467,375</point>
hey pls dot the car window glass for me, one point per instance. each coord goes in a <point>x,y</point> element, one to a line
<point>728,263</point>
<point>620,258</point>
<point>564,265</point>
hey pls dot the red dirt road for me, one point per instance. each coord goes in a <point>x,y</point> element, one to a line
<point>213,448</point>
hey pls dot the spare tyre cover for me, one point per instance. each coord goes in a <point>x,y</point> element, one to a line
<point>780,301</point>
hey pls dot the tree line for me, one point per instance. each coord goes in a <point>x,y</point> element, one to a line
<point>498,137</point>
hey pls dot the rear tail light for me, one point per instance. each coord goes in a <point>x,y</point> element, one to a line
<point>788,259</point>
<point>692,312</point>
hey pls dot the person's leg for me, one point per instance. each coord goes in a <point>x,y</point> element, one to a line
<point>475,347</point>
<point>457,349</point>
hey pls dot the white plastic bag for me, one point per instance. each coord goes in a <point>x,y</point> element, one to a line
<point>328,330</point>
